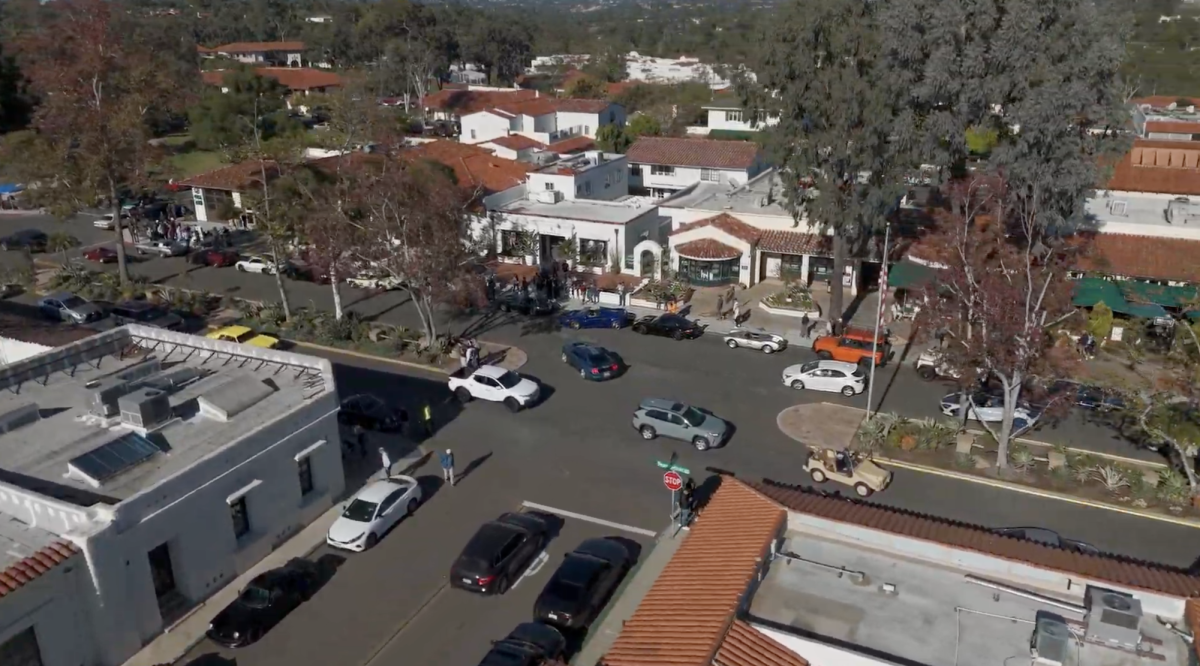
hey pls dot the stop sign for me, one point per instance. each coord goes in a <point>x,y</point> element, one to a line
<point>672,481</point>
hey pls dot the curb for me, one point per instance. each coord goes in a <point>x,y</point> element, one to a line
<point>373,357</point>
<point>1086,452</point>
<point>1046,494</point>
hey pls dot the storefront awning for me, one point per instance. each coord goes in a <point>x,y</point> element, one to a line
<point>1166,296</point>
<point>909,275</point>
<point>11,188</point>
<point>1090,292</point>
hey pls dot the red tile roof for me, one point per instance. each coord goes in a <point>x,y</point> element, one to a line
<point>705,153</point>
<point>254,47</point>
<point>1164,167</point>
<point>727,223</point>
<point>619,87</point>
<point>1106,568</point>
<point>235,177</point>
<point>1145,257</point>
<point>463,102</point>
<point>688,611</point>
<point>1163,101</point>
<point>24,572</point>
<point>475,167</point>
<point>517,142</point>
<point>1173,126</point>
<point>746,646</point>
<point>707,249</point>
<point>795,242</point>
<point>294,78</point>
<point>573,145</point>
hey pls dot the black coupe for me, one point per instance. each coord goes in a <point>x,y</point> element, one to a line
<point>530,644</point>
<point>583,583</point>
<point>668,326</point>
<point>268,599</point>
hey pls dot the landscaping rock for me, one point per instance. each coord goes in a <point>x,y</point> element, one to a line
<point>1055,460</point>
<point>1150,477</point>
<point>982,463</point>
<point>964,443</point>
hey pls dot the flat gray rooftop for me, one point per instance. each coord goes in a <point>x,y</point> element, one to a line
<point>19,541</point>
<point>217,392</point>
<point>762,195</point>
<point>622,211</point>
<point>935,617</point>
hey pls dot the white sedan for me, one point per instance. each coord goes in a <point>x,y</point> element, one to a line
<point>374,511</point>
<point>256,264</point>
<point>106,221</point>
<point>836,376</point>
<point>987,408</point>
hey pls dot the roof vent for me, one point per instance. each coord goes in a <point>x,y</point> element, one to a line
<point>18,416</point>
<point>232,397</point>
<point>145,408</point>
<point>1051,641</point>
<point>1113,619</point>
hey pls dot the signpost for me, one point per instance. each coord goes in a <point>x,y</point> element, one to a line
<point>671,466</point>
<point>673,481</point>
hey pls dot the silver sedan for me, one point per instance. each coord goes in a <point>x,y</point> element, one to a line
<point>767,343</point>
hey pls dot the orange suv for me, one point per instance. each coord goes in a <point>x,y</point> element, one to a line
<point>854,346</point>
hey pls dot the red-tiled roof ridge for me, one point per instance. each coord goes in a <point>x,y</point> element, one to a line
<point>707,249</point>
<point>1173,126</point>
<point>572,145</point>
<point>746,646</point>
<point>27,570</point>
<point>1163,101</point>
<point>472,101</point>
<point>253,47</point>
<point>233,177</point>
<point>689,610</point>
<point>1115,569</point>
<point>727,223</point>
<point>1149,257</point>
<point>1136,170</point>
<point>517,142</point>
<point>692,152</point>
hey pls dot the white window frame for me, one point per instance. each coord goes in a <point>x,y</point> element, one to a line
<point>710,175</point>
<point>735,116</point>
<point>661,170</point>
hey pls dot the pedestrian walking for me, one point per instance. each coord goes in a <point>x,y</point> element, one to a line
<point>720,306</point>
<point>427,417</point>
<point>737,310</point>
<point>464,357</point>
<point>621,294</point>
<point>387,462</point>
<point>447,460</point>
<point>472,355</point>
<point>804,324</point>
<point>687,503</point>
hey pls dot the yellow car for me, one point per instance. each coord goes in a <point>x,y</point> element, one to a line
<point>244,336</point>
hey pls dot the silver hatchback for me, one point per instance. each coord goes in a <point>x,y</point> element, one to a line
<point>666,418</point>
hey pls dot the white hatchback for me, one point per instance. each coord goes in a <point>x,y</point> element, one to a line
<point>256,264</point>
<point>836,376</point>
<point>373,511</point>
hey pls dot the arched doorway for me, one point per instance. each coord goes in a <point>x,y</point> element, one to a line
<point>647,260</point>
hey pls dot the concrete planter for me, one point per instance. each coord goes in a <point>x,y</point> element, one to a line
<point>814,313</point>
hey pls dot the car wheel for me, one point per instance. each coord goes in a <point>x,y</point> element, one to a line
<point>848,391</point>
<point>582,373</point>
<point>927,373</point>
<point>797,384</point>
<point>505,307</point>
<point>463,395</point>
<point>372,540</point>
<point>648,432</point>
<point>565,359</point>
<point>700,443</point>
<point>732,344</point>
<point>863,489</point>
<point>677,335</point>
<point>824,356</point>
<point>512,404</point>
<point>768,349</point>
<point>412,506</point>
<point>241,268</point>
<point>817,475</point>
<point>640,329</point>
<point>502,585</point>
<point>575,325</point>
<point>616,325</point>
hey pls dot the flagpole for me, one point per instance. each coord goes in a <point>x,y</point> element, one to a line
<point>883,280</point>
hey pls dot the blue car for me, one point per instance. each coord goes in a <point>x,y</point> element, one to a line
<point>596,318</point>
<point>592,362</point>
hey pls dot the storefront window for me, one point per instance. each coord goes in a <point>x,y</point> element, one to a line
<point>708,273</point>
<point>791,266</point>
<point>510,241</point>
<point>593,252</point>
<point>821,267</point>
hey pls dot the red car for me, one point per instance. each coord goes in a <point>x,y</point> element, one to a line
<point>100,255</point>
<point>214,258</point>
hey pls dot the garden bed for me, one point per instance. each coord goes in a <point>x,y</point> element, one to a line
<point>794,300</point>
<point>1092,477</point>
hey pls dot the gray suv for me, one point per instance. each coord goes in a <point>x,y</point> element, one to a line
<point>70,308</point>
<point>667,418</point>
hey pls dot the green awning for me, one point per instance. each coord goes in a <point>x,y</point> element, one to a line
<point>909,275</point>
<point>1090,291</point>
<point>1147,292</point>
<point>1192,314</point>
<point>1142,310</point>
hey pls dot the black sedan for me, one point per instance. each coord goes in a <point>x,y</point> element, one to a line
<point>526,305</point>
<point>370,413</point>
<point>499,553</point>
<point>583,583</point>
<point>668,326</point>
<point>31,239</point>
<point>263,603</point>
<point>530,644</point>
<point>593,362</point>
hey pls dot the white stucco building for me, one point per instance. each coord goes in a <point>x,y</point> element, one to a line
<point>141,470</point>
<point>544,119</point>
<point>662,166</point>
<point>728,115</point>
<point>289,54</point>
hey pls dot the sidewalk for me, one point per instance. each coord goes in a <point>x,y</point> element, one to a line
<point>176,640</point>
<point>627,600</point>
<point>787,327</point>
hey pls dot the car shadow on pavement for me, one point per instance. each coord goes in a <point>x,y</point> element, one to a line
<point>327,567</point>
<point>210,659</point>
<point>554,524</point>
<point>429,485</point>
<point>545,391</point>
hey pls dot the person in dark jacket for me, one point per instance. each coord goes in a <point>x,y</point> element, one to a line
<point>687,502</point>
<point>447,460</point>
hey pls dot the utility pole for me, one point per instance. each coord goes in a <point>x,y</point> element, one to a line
<point>883,281</point>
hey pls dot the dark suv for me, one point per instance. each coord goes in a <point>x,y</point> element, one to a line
<point>146,314</point>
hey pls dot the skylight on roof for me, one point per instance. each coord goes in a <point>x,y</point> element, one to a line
<point>112,458</point>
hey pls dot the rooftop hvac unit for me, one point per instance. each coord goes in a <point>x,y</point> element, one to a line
<point>548,196</point>
<point>104,395</point>
<point>145,408</point>
<point>1051,640</point>
<point>18,416</point>
<point>1182,211</point>
<point>1113,618</point>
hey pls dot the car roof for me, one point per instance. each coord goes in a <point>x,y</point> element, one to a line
<point>232,330</point>
<point>376,492</point>
<point>661,403</point>
<point>837,365</point>
<point>60,295</point>
<point>602,548</point>
<point>492,371</point>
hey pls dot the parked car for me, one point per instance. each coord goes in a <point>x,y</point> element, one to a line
<point>369,412</point>
<point>257,264</point>
<point>583,583</point>
<point>163,248</point>
<point>1049,538</point>
<point>70,308</point>
<point>106,221</point>
<point>1084,396</point>
<point>596,317</point>
<point>374,282</point>
<point>655,417</point>
<point>307,272</point>
<point>494,384</point>
<point>214,258</point>
<point>530,644</point>
<point>838,376</point>
<point>245,336</point>
<point>592,361</point>
<point>931,364</point>
<point>146,314</point>
<point>100,255</point>
<point>373,511</point>
<point>263,603</point>
<point>854,345</point>
<point>25,239</point>
<point>767,343</point>
<point>987,408</point>
<point>527,305</point>
<point>668,325</point>
<point>499,553</point>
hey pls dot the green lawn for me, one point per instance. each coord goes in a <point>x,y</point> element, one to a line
<point>196,161</point>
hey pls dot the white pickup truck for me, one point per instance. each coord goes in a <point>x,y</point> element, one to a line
<point>494,384</point>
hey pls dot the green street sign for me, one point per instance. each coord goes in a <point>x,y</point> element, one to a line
<point>672,467</point>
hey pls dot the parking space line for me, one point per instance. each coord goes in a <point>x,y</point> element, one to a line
<point>590,519</point>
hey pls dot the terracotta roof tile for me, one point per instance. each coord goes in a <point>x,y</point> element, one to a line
<point>1173,126</point>
<point>746,646</point>
<point>707,249</point>
<point>727,223</point>
<point>27,570</point>
<point>689,609</point>
<point>1163,101</point>
<point>235,177</point>
<point>463,102</point>
<point>517,142</point>
<point>795,242</point>
<point>1108,568</point>
<point>1145,257</point>
<point>294,78</point>
<point>254,47</point>
<point>573,145</point>
<point>1192,613</point>
<point>705,153</point>
<point>1164,167</point>
<point>475,166</point>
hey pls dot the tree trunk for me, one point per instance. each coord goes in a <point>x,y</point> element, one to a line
<point>283,295</point>
<point>337,292</point>
<point>1012,391</point>
<point>122,264</point>
<point>837,305</point>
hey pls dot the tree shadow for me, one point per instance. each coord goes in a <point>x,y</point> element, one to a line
<point>210,659</point>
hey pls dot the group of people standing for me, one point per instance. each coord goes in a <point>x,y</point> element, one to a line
<point>468,353</point>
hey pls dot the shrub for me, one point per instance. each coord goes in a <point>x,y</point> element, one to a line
<point>933,434</point>
<point>1082,467</point>
<point>1112,477</point>
<point>1173,487</point>
<point>1100,321</point>
<point>874,430</point>
<point>1021,458</point>
<point>1138,486</point>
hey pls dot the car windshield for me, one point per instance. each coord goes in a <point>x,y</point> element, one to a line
<point>597,357</point>
<point>245,336</point>
<point>360,511</point>
<point>809,367</point>
<point>73,302</point>
<point>503,655</point>
<point>693,416</point>
<point>255,597</point>
<point>509,379</point>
